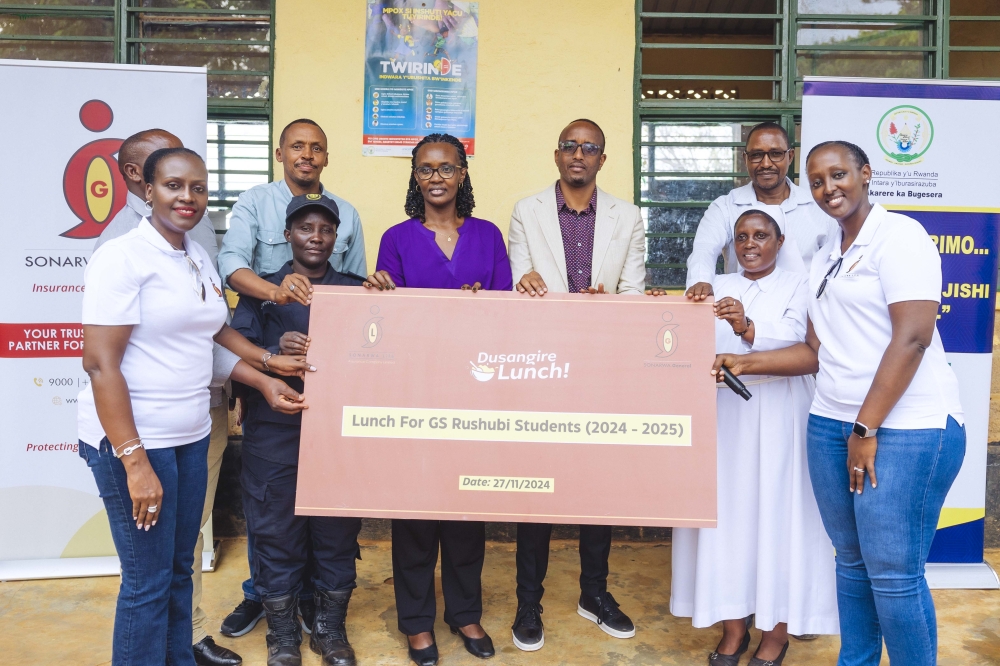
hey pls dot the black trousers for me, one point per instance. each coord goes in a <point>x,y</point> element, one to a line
<point>414,557</point>
<point>533,560</point>
<point>282,540</point>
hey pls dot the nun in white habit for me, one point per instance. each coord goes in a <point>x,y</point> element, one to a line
<point>769,562</point>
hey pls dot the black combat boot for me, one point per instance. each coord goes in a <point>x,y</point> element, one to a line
<point>329,635</point>
<point>284,634</point>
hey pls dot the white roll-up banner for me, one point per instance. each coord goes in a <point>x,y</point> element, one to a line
<point>924,140</point>
<point>61,125</point>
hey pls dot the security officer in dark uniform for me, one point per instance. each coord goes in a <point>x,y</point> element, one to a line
<point>270,462</point>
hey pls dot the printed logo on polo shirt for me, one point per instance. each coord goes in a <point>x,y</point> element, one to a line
<point>666,337</point>
<point>93,187</point>
<point>905,134</point>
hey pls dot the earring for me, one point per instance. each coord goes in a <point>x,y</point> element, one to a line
<point>149,205</point>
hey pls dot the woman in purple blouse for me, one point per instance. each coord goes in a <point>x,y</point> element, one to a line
<point>441,247</point>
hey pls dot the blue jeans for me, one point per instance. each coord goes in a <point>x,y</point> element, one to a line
<point>882,537</point>
<point>153,616</point>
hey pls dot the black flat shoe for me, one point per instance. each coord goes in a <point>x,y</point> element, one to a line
<point>477,647</point>
<point>427,656</point>
<point>716,659</point>
<point>757,661</point>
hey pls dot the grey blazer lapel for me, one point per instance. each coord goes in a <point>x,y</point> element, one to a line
<point>548,221</point>
<point>604,229</point>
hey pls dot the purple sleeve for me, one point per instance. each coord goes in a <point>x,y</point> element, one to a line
<point>502,278</point>
<point>389,259</point>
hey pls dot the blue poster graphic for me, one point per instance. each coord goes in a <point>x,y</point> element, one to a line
<point>420,73</point>
<point>969,253</point>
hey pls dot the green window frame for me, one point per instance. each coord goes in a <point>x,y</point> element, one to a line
<point>927,39</point>
<point>169,32</point>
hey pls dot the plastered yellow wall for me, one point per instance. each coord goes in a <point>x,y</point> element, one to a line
<point>542,63</point>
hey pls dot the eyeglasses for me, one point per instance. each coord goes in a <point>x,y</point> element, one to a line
<point>589,149</point>
<point>757,156</point>
<point>446,171</point>
<point>197,283</point>
<point>833,269</point>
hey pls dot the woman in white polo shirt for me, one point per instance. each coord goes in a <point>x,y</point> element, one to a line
<point>153,305</point>
<point>886,437</point>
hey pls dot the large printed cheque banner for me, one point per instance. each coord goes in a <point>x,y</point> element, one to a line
<point>920,138</point>
<point>451,405</point>
<point>61,125</point>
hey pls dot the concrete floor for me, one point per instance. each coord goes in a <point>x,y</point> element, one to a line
<point>70,621</point>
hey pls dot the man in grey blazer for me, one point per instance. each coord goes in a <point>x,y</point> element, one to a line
<point>573,237</point>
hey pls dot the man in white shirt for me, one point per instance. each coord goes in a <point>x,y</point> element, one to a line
<point>768,156</point>
<point>131,158</point>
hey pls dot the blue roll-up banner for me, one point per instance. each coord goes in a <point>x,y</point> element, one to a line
<point>921,138</point>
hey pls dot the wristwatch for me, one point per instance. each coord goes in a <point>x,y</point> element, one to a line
<point>740,335</point>
<point>863,431</point>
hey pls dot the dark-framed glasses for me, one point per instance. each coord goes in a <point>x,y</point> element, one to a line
<point>589,149</point>
<point>757,156</point>
<point>446,171</point>
<point>833,271</point>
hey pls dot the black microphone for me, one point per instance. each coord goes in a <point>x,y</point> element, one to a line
<point>732,382</point>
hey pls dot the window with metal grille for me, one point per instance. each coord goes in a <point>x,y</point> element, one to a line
<point>707,70</point>
<point>81,31</point>
<point>238,158</point>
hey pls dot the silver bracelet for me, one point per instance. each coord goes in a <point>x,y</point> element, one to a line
<point>265,358</point>
<point>127,450</point>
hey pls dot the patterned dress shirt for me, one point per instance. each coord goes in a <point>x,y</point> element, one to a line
<point>578,240</point>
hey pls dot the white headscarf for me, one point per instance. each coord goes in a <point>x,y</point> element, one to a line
<point>789,258</point>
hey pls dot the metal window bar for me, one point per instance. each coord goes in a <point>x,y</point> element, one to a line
<point>949,48</point>
<point>932,50</point>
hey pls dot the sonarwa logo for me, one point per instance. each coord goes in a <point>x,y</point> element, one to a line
<point>666,337</point>
<point>93,187</point>
<point>905,134</point>
<point>373,329</point>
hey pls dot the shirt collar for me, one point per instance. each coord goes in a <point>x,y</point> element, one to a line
<point>764,284</point>
<point>147,231</point>
<point>137,204</point>
<point>561,201</point>
<point>797,196</point>
<point>287,191</point>
<point>865,236</point>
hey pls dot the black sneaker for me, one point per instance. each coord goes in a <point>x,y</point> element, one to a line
<point>603,610</point>
<point>529,635</point>
<point>307,611</point>
<point>243,619</point>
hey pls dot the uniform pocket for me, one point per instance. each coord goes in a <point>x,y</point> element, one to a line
<point>267,252</point>
<point>253,486</point>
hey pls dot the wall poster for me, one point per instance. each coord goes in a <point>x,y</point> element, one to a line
<point>420,74</point>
